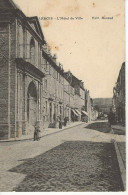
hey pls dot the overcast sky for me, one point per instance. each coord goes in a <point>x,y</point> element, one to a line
<point>93,49</point>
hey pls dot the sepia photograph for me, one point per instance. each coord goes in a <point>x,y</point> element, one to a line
<point>62,96</point>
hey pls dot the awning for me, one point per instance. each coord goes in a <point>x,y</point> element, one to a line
<point>78,111</point>
<point>74,112</point>
<point>84,112</point>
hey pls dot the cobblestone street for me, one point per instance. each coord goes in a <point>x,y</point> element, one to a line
<point>100,126</point>
<point>77,159</point>
<point>72,166</point>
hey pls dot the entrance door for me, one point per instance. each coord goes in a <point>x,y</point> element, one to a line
<point>32,104</point>
<point>50,108</point>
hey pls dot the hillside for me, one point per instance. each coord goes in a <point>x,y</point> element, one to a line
<point>104,104</point>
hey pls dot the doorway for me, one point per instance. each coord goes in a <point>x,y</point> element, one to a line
<point>32,104</point>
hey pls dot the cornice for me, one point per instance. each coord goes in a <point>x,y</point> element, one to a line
<point>29,68</point>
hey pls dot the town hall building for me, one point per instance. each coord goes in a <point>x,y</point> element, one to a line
<point>33,85</point>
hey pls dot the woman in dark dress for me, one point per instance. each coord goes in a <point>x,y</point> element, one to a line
<point>37,132</point>
<point>60,123</point>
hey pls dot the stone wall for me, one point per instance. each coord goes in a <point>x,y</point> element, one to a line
<point>7,79</point>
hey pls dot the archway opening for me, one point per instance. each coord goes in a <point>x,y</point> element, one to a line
<point>32,104</point>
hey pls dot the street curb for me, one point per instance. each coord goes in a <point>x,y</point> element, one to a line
<point>117,129</point>
<point>113,127</point>
<point>121,165</point>
<point>120,162</point>
<point>6,141</point>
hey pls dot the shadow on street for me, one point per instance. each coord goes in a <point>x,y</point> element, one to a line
<point>100,126</point>
<point>72,166</point>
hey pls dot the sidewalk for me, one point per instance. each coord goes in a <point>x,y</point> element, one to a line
<point>44,132</point>
<point>120,148</point>
<point>118,129</point>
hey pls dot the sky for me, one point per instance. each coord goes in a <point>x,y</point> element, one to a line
<point>92,49</point>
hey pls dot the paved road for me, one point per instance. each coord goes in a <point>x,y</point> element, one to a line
<point>17,157</point>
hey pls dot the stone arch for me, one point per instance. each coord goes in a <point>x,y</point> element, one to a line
<point>32,103</point>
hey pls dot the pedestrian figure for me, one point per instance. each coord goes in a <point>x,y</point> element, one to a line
<point>65,121</point>
<point>60,123</point>
<point>37,132</point>
<point>111,118</point>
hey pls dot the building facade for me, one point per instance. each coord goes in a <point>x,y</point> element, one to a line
<point>119,97</point>
<point>52,89</point>
<point>88,105</point>
<point>34,86</point>
<point>21,76</point>
<point>79,98</point>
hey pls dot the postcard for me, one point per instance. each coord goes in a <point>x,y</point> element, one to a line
<point>62,96</point>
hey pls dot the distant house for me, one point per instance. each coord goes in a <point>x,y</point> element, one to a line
<point>104,104</point>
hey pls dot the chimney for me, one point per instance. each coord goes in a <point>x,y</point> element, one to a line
<point>48,52</point>
<point>45,48</point>
<point>55,58</point>
<point>60,65</point>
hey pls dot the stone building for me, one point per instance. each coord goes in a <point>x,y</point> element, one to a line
<point>91,112</point>
<point>73,114</point>
<point>33,84</point>
<point>88,105</point>
<point>67,106</point>
<point>53,89</point>
<point>94,112</point>
<point>119,97</point>
<point>69,96</point>
<point>21,41</point>
<point>79,97</point>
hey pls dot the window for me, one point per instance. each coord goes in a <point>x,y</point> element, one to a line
<point>46,65</point>
<point>46,107</point>
<point>45,84</point>
<point>57,110</point>
<point>21,41</point>
<point>51,70</point>
<point>32,51</point>
<point>59,78</point>
<point>55,74</point>
<point>39,55</point>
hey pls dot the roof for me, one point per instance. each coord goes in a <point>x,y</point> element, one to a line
<point>8,4</point>
<point>51,61</point>
<point>35,24</point>
<point>31,22</point>
<point>122,69</point>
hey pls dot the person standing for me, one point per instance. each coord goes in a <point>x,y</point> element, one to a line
<point>111,118</point>
<point>37,132</point>
<point>65,121</point>
<point>60,123</point>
